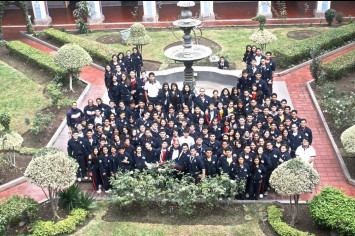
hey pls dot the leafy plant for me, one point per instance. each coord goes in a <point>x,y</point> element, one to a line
<point>339,16</point>
<point>275,219</point>
<point>329,16</point>
<point>134,13</point>
<point>281,11</point>
<point>68,198</point>
<point>293,178</point>
<point>82,12</point>
<point>53,172</point>
<point>348,140</point>
<point>53,91</point>
<point>138,36</point>
<point>39,122</point>
<point>11,141</point>
<point>72,58</point>
<point>263,37</point>
<point>5,120</point>
<point>85,200</point>
<point>316,67</point>
<point>351,20</point>
<point>17,208</point>
<point>340,66</point>
<point>334,210</point>
<point>261,19</point>
<point>77,216</point>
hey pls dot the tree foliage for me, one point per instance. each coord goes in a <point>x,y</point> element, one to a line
<point>52,171</point>
<point>72,58</point>
<point>293,178</point>
<point>330,15</point>
<point>263,37</point>
<point>261,19</point>
<point>348,140</point>
<point>138,36</point>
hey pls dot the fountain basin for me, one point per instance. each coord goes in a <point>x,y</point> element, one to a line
<point>195,53</point>
<point>186,23</point>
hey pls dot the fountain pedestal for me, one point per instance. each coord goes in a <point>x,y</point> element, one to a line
<point>187,52</point>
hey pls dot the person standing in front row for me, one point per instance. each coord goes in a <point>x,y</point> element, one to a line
<point>306,152</point>
<point>152,89</point>
<point>76,150</point>
<point>137,61</point>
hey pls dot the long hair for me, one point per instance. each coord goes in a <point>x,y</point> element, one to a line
<point>94,157</point>
<point>127,81</point>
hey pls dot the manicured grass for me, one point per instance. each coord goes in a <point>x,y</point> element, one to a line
<point>232,41</point>
<point>19,96</point>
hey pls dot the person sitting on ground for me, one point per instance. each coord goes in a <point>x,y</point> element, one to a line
<point>223,64</point>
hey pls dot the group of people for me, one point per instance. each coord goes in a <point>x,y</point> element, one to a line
<point>245,131</point>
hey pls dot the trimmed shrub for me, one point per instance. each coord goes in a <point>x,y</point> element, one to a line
<point>274,215</point>
<point>17,208</point>
<point>66,226</point>
<point>348,140</point>
<point>339,17</point>
<point>36,57</point>
<point>298,51</point>
<point>330,15</point>
<point>340,66</point>
<point>333,209</point>
<point>98,51</point>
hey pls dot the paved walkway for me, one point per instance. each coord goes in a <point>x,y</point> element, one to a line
<point>326,162</point>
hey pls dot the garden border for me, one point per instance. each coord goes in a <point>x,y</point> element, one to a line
<point>330,136</point>
<point>287,71</point>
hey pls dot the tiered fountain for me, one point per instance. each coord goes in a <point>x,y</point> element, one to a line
<point>187,52</point>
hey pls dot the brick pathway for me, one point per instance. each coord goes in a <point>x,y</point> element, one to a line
<point>326,162</point>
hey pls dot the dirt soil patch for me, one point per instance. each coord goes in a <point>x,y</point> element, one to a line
<point>150,65</point>
<point>202,41</point>
<point>40,77</point>
<point>346,84</point>
<point>305,222</point>
<point>109,39</point>
<point>9,172</point>
<point>302,34</point>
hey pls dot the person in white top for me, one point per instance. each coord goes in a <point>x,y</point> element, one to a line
<point>306,152</point>
<point>187,138</point>
<point>152,89</point>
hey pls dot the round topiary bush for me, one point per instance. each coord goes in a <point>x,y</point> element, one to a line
<point>330,15</point>
<point>348,140</point>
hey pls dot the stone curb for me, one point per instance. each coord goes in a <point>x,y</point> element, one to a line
<point>282,73</point>
<point>12,183</point>
<point>330,136</point>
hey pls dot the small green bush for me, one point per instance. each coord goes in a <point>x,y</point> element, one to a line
<point>339,17</point>
<point>334,210</point>
<point>348,140</point>
<point>340,66</point>
<point>329,16</point>
<point>85,200</point>
<point>5,120</point>
<point>295,52</point>
<point>17,208</point>
<point>274,215</point>
<point>68,198</point>
<point>39,122</point>
<point>36,57</point>
<point>3,223</point>
<point>53,91</point>
<point>98,51</point>
<point>48,228</point>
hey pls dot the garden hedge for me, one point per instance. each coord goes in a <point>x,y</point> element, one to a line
<point>274,215</point>
<point>47,228</point>
<point>98,51</point>
<point>340,66</point>
<point>36,57</point>
<point>298,51</point>
<point>333,209</point>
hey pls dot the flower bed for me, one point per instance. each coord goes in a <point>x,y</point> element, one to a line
<point>340,66</point>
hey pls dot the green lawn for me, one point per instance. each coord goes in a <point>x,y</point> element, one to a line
<point>97,226</point>
<point>19,96</point>
<point>232,41</point>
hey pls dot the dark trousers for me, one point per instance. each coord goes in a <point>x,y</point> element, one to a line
<point>105,179</point>
<point>152,100</point>
<point>96,179</point>
<point>138,71</point>
<point>254,190</point>
<point>82,171</point>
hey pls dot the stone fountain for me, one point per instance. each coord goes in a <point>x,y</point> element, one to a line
<point>188,52</point>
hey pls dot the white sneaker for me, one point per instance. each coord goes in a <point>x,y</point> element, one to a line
<point>229,198</point>
<point>98,191</point>
<point>108,191</point>
<point>86,178</point>
<point>220,199</point>
<point>79,179</point>
<point>247,195</point>
<point>261,195</point>
<point>266,193</point>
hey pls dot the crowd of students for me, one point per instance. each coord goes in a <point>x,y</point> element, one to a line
<point>244,131</point>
